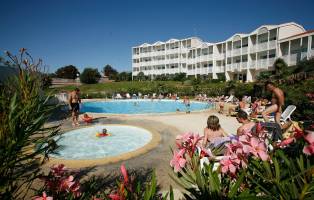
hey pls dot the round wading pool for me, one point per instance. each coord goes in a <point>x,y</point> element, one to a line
<point>85,144</point>
<point>142,106</point>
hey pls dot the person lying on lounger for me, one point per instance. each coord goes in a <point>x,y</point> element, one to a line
<point>86,118</point>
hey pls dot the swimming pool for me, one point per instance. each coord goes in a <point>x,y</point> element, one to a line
<point>83,144</point>
<point>141,106</point>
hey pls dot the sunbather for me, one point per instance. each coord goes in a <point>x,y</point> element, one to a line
<point>86,118</point>
<point>246,126</point>
<point>213,130</point>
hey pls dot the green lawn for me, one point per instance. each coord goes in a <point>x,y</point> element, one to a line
<point>132,87</point>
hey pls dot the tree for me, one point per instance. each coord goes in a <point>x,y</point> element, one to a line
<point>141,76</point>
<point>280,67</point>
<point>124,76</point>
<point>110,72</point>
<point>90,76</point>
<point>69,72</point>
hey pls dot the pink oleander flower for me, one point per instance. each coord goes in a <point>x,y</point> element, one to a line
<point>229,164</point>
<point>309,149</point>
<point>178,160</point>
<point>124,174</point>
<point>44,197</point>
<point>286,142</point>
<point>58,170</point>
<point>258,149</point>
<point>70,185</point>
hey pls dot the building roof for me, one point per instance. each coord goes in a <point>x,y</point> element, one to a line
<point>298,35</point>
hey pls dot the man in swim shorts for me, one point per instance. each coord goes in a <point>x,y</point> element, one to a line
<point>277,102</point>
<point>74,102</point>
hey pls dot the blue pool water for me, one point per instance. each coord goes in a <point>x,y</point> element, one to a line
<point>83,144</point>
<point>141,106</point>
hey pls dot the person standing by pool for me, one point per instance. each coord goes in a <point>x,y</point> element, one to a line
<point>187,104</point>
<point>277,101</point>
<point>74,101</point>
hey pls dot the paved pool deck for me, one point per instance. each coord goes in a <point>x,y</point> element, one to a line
<point>167,126</point>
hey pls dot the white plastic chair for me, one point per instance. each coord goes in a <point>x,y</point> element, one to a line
<point>118,96</point>
<point>229,99</point>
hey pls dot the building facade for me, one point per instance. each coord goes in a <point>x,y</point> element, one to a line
<point>241,57</point>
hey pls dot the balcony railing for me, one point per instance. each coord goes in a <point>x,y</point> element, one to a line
<point>236,52</point>
<point>244,65</point>
<point>262,46</point>
<point>293,59</point>
<point>236,67</point>
<point>228,67</point>
<point>244,50</point>
<point>271,62</point>
<point>253,48</point>
<point>253,64</point>
<point>262,64</point>
<point>272,44</point>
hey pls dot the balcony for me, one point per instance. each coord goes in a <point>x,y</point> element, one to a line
<point>172,51</point>
<point>220,69</point>
<point>175,60</point>
<point>184,50</point>
<point>134,56</point>
<point>293,59</point>
<point>236,52</point>
<point>271,62</point>
<point>244,50</point>
<point>228,67</point>
<point>253,48</point>
<point>272,44</point>
<point>220,56</point>
<point>236,67</point>
<point>262,64</point>
<point>253,64</point>
<point>203,58</point>
<point>244,65</point>
<point>262,46</point>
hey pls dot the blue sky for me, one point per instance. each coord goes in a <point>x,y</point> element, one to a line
<point>97,32</point>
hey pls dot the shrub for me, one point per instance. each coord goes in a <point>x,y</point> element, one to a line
<point>90,76</point>
<point>23,113</point>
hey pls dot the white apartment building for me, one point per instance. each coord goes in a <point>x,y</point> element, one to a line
<point>241,57</point>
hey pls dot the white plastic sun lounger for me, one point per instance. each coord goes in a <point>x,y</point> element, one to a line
<point>229,99</point>
<point>286,115</point>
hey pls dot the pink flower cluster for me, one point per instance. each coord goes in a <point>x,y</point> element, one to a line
<point>186,143</point>
<point>239,150</point>
<point>309,138</point>
<point>43,197</point>
<point>59,180</point>
<point>126,184</point>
